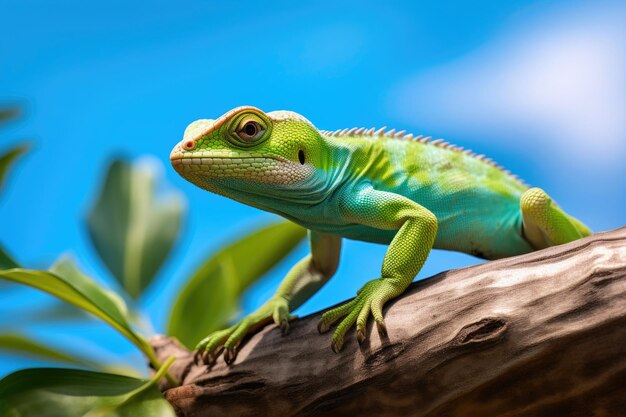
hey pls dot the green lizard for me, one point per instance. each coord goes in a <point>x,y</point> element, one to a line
<point>377,186</point>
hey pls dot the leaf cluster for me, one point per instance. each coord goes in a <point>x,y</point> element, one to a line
<point>133,225</point>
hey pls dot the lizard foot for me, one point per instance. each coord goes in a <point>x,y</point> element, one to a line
<point>369,299</point>
<point>228,340</point>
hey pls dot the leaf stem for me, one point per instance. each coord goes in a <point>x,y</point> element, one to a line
<point>156,364</point>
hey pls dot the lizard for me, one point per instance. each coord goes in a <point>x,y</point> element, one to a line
<point>409,192</point>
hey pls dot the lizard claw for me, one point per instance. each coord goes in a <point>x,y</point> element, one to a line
<point>228,340</point>
<point>197,357</point>
<point>368,302</point>
<point>323,327</point>
<point>336,346</point>
<point>360,336</point>
<point>229,355</point>
<point>211,358</point>
<point>382,328</point>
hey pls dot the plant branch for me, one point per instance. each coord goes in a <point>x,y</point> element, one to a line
<point>541,334</point>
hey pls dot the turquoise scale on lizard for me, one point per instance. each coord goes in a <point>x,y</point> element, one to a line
<point>378,186</point>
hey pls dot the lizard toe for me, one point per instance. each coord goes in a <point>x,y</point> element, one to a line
<point>335,314</point>
<point>228,340</point>
<point>369,302</point>
<point>345,325</point>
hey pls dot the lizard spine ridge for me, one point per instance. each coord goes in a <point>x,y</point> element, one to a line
<point>402,135</point>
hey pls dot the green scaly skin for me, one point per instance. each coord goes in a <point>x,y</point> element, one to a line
<point>378,186</point>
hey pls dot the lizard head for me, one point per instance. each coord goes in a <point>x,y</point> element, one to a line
<point>250,156</point>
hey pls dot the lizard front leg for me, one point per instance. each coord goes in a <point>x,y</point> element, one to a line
<point>407,252</point>
<point>302,281</point>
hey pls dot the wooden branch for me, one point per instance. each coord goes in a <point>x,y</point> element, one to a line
<point>543,334</point>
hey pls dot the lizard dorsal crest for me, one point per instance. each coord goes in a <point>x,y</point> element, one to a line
<point>402,135</point>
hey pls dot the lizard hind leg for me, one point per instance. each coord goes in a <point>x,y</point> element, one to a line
<point>545,223</point>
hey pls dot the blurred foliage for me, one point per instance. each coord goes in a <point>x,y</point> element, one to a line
<point>133,229</point>
<point>47,392</point>
<point>55,312</point>
<point>211,296</point>
<point>25,345</point>
<point>6,261</point>
<point>8,157</point>
<point>67,283</point>
<point>7,160</point>
<point>9,113</point>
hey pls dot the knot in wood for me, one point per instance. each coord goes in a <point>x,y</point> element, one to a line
<point>489,329</point>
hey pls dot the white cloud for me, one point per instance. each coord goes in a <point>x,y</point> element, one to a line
<point>559,76</point>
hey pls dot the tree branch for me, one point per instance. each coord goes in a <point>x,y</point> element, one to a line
<point>543,334</point>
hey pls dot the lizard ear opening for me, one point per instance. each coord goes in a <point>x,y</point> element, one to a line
<point>301,156</point>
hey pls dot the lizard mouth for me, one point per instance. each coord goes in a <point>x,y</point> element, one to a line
<point>215,166</point>
<point>211,159</point>
<point>180,158</point>
<point>223,164</point>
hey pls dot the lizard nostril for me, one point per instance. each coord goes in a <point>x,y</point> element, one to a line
<point>190,145</point>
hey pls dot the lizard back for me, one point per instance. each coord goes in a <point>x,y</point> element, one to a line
<point>466,191</point>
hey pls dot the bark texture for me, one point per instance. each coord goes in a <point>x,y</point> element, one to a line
<point>543,334</point>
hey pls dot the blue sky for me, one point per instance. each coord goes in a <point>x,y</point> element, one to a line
<point>539,86</point>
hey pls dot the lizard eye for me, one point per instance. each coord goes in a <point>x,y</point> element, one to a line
<point>250,131</point>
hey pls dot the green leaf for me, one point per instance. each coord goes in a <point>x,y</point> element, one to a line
<point>6,261</point>
<point>47,392</point>
<point>8,158</point>
<point>67,283</point>
<point>54,312</point>
<point>9,113</point>
<point>21,344</point>
<point>211,297</point>
<point>131,229</point>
